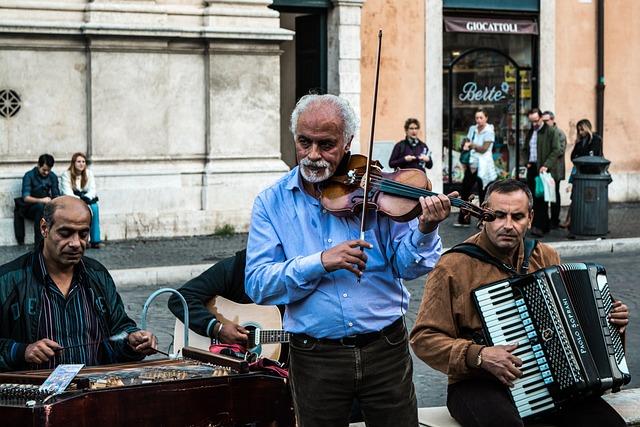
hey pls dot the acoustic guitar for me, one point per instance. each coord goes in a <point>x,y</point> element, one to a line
<point>263,322</point>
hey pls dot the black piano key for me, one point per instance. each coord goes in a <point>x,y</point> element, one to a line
<point>506,316</point>
<point>504,310</point>
<point>528,373</point>
<point>540,386</point>
<point>521,350</point>
<point>532,384</point>
<point>513,336</point>
<point>506,298</point>
<point>500,289</point>
<point>515,324</point>
<point>540,405</point>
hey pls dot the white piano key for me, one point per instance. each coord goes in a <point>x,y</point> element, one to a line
<point>530,408</point>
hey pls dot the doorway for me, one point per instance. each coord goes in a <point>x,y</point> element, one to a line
<point>303,63</point>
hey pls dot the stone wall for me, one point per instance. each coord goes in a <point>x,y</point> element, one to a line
<point>177,103</point>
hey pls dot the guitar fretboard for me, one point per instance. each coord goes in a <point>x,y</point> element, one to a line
<point>270,336</point>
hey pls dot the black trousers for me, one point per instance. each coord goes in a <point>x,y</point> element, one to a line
<point>487,403</point>
<point>18,219</point>
<point>469,180</point>
<point>326,378</point>
<point>555,208</point>
<point>34,211</point>
<point>540,207</point>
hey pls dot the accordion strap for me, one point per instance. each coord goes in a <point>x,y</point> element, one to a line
<point>477,252</point>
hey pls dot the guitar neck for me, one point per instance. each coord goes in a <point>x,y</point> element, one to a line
<point>270,336</point>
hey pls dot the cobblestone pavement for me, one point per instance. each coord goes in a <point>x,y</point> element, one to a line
<point>622,271</point>
<point>624,221</point>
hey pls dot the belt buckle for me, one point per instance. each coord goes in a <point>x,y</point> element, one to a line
<point>348,341</point>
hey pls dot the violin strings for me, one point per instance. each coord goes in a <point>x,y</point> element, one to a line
<point>406,190</point>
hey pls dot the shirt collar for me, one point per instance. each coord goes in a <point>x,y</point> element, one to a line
<point>293,179</point>
<point>78,271</point>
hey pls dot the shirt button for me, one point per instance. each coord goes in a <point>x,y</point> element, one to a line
<point>350,324</point>
<point>345,295</point>
<point>329,240</point>
<point>324,211</point>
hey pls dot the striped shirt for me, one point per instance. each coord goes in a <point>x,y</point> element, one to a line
<point>69,321</point>
<point>533,146</point>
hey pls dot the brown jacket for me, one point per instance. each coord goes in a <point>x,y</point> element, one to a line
<point>447,315</point>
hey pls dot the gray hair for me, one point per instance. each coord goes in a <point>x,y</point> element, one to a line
<point>47,214</point>
<point>349,118</point>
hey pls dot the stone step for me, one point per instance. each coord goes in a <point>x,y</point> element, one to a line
<point>625,402</point>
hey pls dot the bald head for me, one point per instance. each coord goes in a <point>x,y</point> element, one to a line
<point>75,206</point>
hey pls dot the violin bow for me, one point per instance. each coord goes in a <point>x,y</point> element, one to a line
<point>367,174</point>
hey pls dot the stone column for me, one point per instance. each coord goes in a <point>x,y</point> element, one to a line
<point>243,129</point>
<point>343,45</point>
<point>434,89</point>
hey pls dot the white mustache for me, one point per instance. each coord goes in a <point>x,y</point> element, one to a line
<point>316,164</point>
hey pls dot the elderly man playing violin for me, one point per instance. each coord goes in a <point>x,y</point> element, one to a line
<point>345,299</point>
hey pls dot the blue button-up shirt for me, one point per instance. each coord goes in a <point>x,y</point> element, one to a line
<point>290,229</point>
<point>36,185</point>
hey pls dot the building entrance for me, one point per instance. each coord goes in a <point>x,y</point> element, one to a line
<point>495,73</point>
<point>303,63</point>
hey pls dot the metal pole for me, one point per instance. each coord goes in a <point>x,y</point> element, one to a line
<point>600,82</point>
<point>185,310</point>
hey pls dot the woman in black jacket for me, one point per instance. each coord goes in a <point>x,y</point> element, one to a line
<point>588,143</point>
<point>411,152</point>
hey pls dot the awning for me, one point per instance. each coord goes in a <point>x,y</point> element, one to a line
<point>458,24</point>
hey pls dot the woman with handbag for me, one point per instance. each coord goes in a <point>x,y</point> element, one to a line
<point>78,181</point>
<point>479,168</point>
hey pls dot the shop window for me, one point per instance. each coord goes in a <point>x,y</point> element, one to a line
<point>493,73</point>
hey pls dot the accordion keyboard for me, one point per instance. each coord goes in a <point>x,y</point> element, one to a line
<point>507,320</point>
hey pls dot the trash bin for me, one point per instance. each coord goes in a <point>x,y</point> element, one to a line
<point>590,196</point>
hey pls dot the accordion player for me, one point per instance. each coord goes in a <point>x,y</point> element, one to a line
<point>558,317</point>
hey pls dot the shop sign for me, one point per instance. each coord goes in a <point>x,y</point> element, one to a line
<point>472,92</point>
<point>488,25</point>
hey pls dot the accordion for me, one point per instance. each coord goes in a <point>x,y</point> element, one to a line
<point>558,317</point>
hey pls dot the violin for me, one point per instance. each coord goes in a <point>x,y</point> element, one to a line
<point>394,194</point>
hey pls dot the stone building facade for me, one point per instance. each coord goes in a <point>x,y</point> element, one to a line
<point>559,65</point>
<point>177,103</point>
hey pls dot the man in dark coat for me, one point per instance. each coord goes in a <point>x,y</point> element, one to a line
<point>57,306</point>
<point>550,120</point>
<point>540,154</point>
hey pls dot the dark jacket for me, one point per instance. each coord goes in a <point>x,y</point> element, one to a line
<point>404,148</point>
<point>587,147</point>
<point>225,279</point>
<point>35,185</point>
<point>563,147</point>
<point>21,282</point>
<point>547,147</point>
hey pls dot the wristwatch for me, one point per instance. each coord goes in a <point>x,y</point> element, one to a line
<point>479,358</point>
